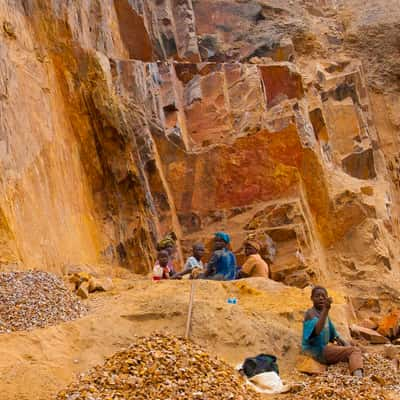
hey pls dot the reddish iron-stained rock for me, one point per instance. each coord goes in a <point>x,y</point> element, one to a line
<point>389,326</point>
<point>281,82</point>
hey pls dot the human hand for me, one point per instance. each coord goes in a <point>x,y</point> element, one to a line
<point>328,303</point>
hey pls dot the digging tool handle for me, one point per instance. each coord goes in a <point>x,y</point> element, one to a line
<point>189,317</point>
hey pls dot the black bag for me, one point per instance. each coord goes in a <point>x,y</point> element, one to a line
<point>257,365</point>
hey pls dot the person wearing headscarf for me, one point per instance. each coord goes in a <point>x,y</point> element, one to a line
<point>168,243</point>
<point>254,266</point>
<point>222,265</point>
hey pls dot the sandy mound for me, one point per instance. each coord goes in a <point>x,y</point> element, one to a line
<point>35,299</point>
<point>160,367</point>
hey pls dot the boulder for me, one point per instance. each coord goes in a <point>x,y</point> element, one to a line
<point>369,324</point>
<point>389,326</point>
<point>309,366</point>
<point>100,285</point>
<point>372,336</point>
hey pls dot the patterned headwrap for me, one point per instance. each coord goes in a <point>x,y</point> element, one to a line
<point>168,241</point>
<point>254,243</point>
<point>224,236</point>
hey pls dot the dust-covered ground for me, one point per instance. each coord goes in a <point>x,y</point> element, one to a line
<point>36,365</point>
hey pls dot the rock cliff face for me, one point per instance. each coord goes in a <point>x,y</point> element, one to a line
<point>121,120</point>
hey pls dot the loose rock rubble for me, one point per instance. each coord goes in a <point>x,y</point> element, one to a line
<point>83,283</point>
<point>162,368</point>
<point>35,299</point>
<point>381,382</point>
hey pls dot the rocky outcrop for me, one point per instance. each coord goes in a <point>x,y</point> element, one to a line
<point>123,120</point>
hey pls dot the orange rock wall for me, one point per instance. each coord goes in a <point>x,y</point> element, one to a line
<point>122,120</point>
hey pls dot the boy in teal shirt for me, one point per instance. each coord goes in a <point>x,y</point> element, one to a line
<point>319,334</point>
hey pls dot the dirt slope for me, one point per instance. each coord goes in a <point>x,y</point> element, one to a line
<point>35,365</point>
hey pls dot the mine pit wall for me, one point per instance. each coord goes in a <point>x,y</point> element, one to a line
<point>112,148</point>
<point>72,192</point>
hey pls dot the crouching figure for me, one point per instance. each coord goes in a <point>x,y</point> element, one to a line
<point>320,339</point>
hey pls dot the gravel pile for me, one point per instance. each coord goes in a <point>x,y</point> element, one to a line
<point>160,368</point>
<point>35,299</point>
<point>381,382</point>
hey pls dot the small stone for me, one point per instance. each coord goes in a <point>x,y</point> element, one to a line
<point>83,290</point>
<point>309,366</point>
<point>378,379</point>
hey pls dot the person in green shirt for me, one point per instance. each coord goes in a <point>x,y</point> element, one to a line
<point>320,338</point>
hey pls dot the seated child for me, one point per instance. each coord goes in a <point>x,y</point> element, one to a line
<point>161,268</point>
<point>194,266</point>
<point>319,334</point>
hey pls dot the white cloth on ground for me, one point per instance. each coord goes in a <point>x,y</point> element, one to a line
<point>268,382</point>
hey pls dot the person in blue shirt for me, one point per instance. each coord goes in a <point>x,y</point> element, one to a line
<point>222,265</point>
<point>320,339</point>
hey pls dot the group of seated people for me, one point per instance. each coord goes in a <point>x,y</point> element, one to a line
<point>221,266</point>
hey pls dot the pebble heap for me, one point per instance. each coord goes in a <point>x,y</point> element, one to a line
<point>35,299</point>
<point>160,368</point>
<point>381,382</point>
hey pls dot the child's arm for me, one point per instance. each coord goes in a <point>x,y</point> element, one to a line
<point>322,319</point>
<point>179,275</point>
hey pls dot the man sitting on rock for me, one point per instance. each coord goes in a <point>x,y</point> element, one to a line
<point>222,265</point>
<point>254,266</point>
<point>319,334</point>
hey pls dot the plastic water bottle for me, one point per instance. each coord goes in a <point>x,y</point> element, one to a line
<point>232,300</point>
